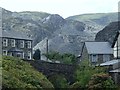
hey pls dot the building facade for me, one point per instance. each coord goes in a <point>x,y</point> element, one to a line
<point>96,52</point>
<point>16,44</point>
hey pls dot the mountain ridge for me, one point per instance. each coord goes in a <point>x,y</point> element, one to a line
<point>70,32</point>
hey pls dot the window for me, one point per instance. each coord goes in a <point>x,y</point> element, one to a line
<point>4,52</point>
<point>94,58</point>
<point>115,51</point>
<point>13,42</point>
<point>5,42</point>
<point>23,55</point>
<point>29,55</point>
<point>21,43</point>
<point>28,44</point>
<point>106,58</point>
<point>18,55</point>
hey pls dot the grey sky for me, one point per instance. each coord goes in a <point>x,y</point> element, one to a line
<point>64,8</point>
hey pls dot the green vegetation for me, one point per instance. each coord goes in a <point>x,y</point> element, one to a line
<point>36,55</point>
<point>87,76</point>
<point>59,81</point>
<point>66,58</point>
<point>87,17</point>
<point>101,81</point>
<point>20,74</point>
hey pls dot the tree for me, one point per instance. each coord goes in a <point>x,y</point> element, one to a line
<point>84,73</point>
<point>37,55</point>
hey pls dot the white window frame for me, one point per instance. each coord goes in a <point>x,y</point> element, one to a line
<point>94,58</point>
<point>13,42</point>
<point>22,43</point>
<point>23,55</point>
<point>6,52</point>
<point>5,42</point>
<point>29,57</point>
<point>29,44</point>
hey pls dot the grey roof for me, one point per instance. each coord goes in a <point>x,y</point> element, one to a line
<point>115,71</point>
<point>14,34</point>
<point>112,62</point>
<point>98,48</point>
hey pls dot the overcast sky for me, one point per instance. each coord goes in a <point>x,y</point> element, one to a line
<point>64,8</point>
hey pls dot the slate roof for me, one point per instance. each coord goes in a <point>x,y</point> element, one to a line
<point>112,62</point>
<point>98,48</point>
<point>115,71</point>
<point>14,34</point>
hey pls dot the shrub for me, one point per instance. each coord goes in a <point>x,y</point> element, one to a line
<point>84,73</point>
<point>59,81</point>
<point>17,73</point>
<point>101,81</point>
<point>37,55</point>
<point>66,58</point>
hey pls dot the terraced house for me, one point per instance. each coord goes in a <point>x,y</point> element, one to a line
<point>16,44</point>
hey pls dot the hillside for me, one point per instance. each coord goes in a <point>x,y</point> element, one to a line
<point>99,19</point>
<point>108,33</point>
<point>64,35</point>
<point>19,74</point>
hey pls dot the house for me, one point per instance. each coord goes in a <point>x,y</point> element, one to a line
<point>97,52</point>
<point>113,68</point>
<point>16,44</point>
<point>116,75</point>
<point>116,45</point>
<point>114,65</point>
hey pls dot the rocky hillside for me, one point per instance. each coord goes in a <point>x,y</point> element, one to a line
<point>97,20</point>
<point>64,35</point>
<point>108,33</point>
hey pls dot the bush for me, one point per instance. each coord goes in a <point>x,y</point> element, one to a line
<point>101,81</point>
<point>66,58</point>
<point>37,55</point>
<point>59,81</point>
<point>75,86</point>
<point>84,73</point>
<point>17,73</point>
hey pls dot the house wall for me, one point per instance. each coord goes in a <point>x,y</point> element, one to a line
<point>84,54</point>
<point>101,57</point>
<point>17,45</point>
<point>117,48</point>
<point>116,77</point>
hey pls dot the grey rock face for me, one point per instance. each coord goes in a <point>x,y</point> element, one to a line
<point>108,33</point>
